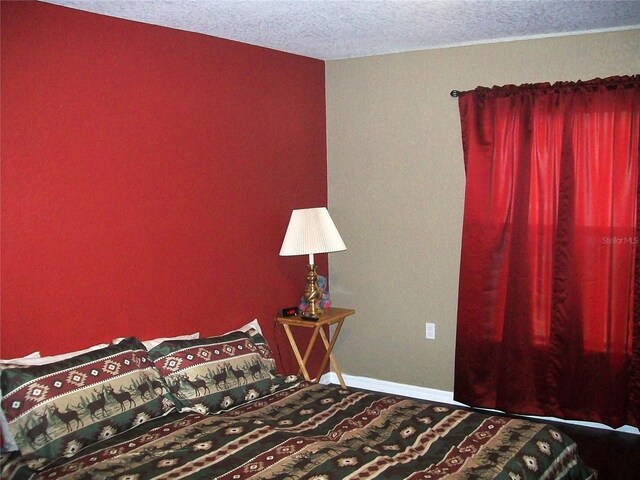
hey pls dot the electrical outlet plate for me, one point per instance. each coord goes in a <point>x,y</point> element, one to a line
<point>431,331</point>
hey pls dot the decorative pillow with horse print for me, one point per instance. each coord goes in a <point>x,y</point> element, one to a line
<point>211,375</point>
<point>57,409</point>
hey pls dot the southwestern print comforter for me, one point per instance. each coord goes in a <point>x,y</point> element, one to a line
<point>321,432</point>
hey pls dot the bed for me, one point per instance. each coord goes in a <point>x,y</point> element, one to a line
<point>215,408</point>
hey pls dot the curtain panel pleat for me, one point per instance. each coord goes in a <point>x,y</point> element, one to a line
<point>548,314</point>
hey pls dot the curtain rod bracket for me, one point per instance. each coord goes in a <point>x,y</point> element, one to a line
<point>455,93</point>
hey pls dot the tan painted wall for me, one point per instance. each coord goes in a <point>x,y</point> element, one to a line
<point>396,188</point>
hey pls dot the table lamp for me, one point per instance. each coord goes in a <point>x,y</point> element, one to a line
<point>311,231</point>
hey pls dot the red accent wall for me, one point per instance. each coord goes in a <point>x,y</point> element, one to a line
<point>148,175</point>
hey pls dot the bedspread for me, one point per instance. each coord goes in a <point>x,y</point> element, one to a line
<point>324,432</point>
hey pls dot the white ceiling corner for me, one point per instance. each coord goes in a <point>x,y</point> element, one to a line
<point>338,29</point>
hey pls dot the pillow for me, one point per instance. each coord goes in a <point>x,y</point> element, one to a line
<point>7,442</point>
<point>149,344</point>
<point>252,325</point>
<point>16,361</point>
<point>210,375</point>
<point>38,360</point>
<point>57,409</point>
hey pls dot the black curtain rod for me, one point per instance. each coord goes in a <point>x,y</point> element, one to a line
<point>455,93</point>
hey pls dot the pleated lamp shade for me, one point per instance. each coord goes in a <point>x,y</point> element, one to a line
<point>311,230</point>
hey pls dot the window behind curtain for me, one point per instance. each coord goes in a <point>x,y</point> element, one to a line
<point>548,269</point>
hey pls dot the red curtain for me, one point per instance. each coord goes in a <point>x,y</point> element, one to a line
<point>549,298</point>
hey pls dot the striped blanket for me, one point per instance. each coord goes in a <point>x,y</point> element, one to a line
<point>324,432</point>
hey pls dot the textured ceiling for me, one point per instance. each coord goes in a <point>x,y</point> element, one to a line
<point>336,29</point>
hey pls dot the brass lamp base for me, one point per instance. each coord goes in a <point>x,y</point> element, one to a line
<point>312,295</point>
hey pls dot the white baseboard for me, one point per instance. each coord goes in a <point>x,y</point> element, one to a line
<point>442,396</point>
